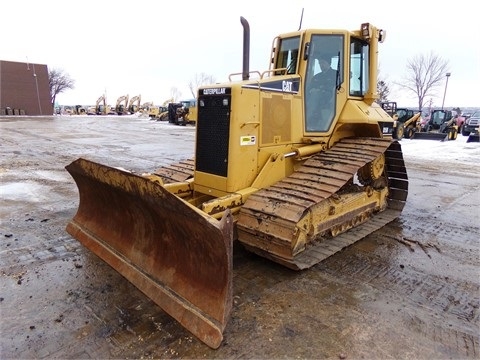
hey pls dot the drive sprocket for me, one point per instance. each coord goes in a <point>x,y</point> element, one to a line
<point>372,171</point>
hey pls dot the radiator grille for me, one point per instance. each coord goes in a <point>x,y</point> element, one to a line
<point>213,128</point>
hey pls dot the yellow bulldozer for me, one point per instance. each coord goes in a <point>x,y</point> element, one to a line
<point>293,164</point>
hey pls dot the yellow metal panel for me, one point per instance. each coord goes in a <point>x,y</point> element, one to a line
<point>210,184</point>
<point>244,139</point>
<point>276,119</point>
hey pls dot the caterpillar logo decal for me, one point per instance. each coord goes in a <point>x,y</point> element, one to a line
<point>216,91</point>
<point>290,86</point>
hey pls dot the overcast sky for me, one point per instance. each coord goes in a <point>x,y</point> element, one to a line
<point>146,47</point>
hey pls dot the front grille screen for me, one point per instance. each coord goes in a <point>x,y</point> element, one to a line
<point>213,128</point>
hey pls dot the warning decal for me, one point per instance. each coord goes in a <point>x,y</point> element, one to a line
<point>248,140</point>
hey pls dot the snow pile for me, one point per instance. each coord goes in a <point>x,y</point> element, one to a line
<point>442,151</point>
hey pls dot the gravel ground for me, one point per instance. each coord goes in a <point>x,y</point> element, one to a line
<point>409,290</point>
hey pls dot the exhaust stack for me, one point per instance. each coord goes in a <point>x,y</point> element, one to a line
<point>246,49</point>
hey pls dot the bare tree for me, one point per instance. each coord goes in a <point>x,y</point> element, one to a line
<point>425,73</point>
<point>199,80</point>
<point>168,101</point>
<point>58,82</point>
<point>175,94</point>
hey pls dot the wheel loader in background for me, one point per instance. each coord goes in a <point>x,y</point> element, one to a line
<point>406,121</point>
<point>441,126</point>
<point>155,111</point>
<point>293,166</point>
<point>411,121</point>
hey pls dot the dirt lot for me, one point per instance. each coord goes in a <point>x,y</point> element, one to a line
<point>410,290</point>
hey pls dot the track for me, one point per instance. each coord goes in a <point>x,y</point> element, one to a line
<point>176,172</point>
<point>269,221</point>
<point>284,203</point>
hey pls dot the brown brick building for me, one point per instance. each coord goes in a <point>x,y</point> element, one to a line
<point>24,89</point>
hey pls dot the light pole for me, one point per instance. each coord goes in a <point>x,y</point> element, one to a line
<point>445,93</point>
<point>38,93</point>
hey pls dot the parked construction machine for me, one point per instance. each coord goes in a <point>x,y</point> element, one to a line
<point>410,119</point>
<point>406,121</point>
<point>155,111</point>
<point>134,104</point>
<point>163,110</point>
<point>441,126</point>
<point>121,107</point>
<point>73,110</point>
<point>190,111</point>
<point>181,113</point>
<point>101,107</point>
<point>293,164</point>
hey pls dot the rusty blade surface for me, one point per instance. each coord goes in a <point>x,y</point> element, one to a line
<point>178,256</point>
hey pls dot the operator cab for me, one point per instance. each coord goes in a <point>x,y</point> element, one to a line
<point>323,64</point>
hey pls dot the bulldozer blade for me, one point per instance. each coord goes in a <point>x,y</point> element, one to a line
<point>430,136</point>
<point>473,138</point>
<point>180,257</point>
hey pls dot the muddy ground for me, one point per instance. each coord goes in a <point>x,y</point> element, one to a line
<point>408,291</point>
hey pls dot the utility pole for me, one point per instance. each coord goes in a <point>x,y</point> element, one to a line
<point>445,93</point>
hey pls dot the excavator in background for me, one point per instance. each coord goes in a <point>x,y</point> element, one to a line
<point>406,121</point>
<point>134,104</point>
<point>121,107</point>
<point>99,104</point>
<point>441,126</point>
<point>293,164</point>
<point>101,107</point>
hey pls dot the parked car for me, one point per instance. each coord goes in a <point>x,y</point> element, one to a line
<point>471,124</point>
<point>460,121</point>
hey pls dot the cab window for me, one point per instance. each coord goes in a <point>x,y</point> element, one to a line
<point>288,54</point>
<point>323,77</point>
<point>358,67</point>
